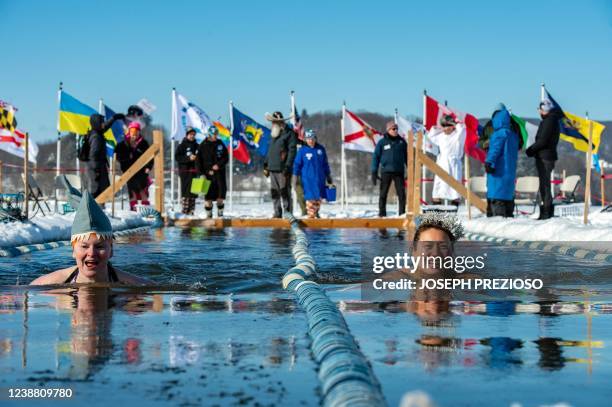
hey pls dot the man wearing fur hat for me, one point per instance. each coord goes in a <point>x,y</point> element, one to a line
<point>278,164</point>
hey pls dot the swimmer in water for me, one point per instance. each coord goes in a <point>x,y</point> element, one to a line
<point>92,248</point>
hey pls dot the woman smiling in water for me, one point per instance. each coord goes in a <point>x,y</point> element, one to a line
<point>92,248</point>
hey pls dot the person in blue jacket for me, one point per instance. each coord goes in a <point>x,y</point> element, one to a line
<point>500,165</point>
<point>311,166</point>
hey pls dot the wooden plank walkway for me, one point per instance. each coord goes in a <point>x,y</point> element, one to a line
<point>332,223</point>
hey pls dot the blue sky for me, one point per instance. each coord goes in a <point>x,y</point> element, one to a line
<point>375,55</point>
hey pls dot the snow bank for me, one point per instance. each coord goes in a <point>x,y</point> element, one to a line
<point>55,227</point>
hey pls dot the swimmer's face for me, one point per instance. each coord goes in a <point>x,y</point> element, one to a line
<point>433,243</point>
<point>92,256</point>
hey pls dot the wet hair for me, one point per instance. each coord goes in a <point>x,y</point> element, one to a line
<point>448,224</point>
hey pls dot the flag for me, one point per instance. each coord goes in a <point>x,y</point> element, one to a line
<point>575,129</point>
<point>7,117</point>
<point>359,135</point>
<point>73,115</point>
<point>527,130</point>
<point>239,149</point>
<point>297,124</point>
<point>115,134</point>
<point>255,135</point>
<point>186,114</point>
<point>74,118</point>
<point>404,126</point>
<point>434,112</point>
<point>12,142</point>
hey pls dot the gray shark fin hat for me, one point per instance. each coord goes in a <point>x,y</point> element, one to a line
<point>90,218</point>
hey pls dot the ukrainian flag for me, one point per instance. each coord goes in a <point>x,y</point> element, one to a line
<point>114,135</point>
<point>74,118</point>
<point>73,115</point>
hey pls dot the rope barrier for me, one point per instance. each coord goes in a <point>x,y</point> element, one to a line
<point>345,374</point>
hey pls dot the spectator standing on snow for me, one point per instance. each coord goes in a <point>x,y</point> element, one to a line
<point>500,164</point>
<point>312,168</point>
<point>544,149</point>
<point>390,154</point>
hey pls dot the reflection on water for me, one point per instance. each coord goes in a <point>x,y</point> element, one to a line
<point>233,350</point>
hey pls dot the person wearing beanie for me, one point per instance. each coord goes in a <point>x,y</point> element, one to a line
<point>92,249</point>
<point>93,153</point>
<point>449,137</point>
<point>544,150</point>
<point>186,155</point>
<point>128,152</point>
<point>312,168</point>
<point>390,155</point>
<point>278,164</point>
<point>212,160</point>
<point>500,164</point>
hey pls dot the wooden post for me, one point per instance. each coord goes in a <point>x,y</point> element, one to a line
<point>587,188</point>
<point>410,175</point>
<point>113,169</point>
<point>602,183</point>
<point>418,166</point>
<point>158,139</point>
<point>25,172</point>
<point>468,200</point>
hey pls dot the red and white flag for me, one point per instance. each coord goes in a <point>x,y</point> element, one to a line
<point>434,112</point>
<point>359,135</point>
<point>13,143</point>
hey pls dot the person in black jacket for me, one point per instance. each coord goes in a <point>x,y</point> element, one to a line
<point>95,156</point>
<point>390,154</point>
<point>128,152</point>
<point>212,159</point>
<point>278,164</point>
<point>544,149</point>
<point>186,156</point>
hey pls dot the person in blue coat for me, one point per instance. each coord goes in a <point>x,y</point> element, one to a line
<point>311,166</point>
<point>500,164</point>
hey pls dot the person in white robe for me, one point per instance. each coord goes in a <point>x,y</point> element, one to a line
<point>449,137</point>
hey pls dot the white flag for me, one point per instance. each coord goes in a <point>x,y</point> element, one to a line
<point>13,143</point>
<point>359,135</point>
<point>404,126</point>
<point>186,114</point>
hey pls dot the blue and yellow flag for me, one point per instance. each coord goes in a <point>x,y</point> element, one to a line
<point>115,134</point>
<point>73,115</point>
<point>74,118</point>
<point>575,129</point>
<point>255,135</point>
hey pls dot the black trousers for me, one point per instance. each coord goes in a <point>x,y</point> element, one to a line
<point>544,168</point>
<point>385,184</point>
<point>500,207</point>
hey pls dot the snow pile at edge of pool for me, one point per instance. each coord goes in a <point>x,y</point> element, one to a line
<point>56,227</point>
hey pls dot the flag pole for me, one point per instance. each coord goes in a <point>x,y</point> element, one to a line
<point>172,147</point>
<point>231,156</point>
<point>26,144</point>
<point>293,192</point>
<point>58,152</point>
<point>343,194</point>
<point>587,188</point>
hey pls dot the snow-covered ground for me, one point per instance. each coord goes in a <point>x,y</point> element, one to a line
<point>56,227</point>
<point>566,226</point>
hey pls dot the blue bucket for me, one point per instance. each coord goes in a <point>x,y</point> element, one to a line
<point>330,194</point>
